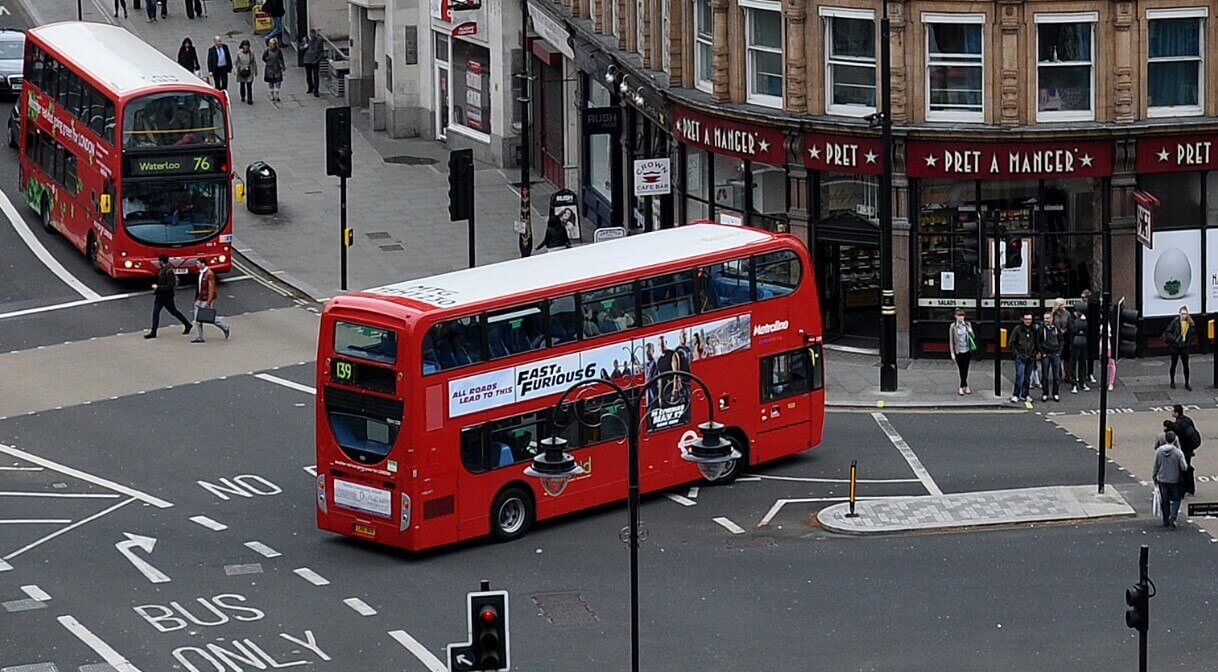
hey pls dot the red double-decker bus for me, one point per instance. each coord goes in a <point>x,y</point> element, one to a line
<point>433,394</point>
<point>123,151</point>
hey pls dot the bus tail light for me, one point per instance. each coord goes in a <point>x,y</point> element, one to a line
<point>405,521</point>
<point>321,492</point>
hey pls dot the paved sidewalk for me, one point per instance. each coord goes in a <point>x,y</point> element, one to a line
<point>976,509</point>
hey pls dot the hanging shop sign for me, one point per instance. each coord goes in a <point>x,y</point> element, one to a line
<point>1177,153</point>
<point>602,120</point>
<point>843,154</point>
<point>723,136</point>
<point>1144,205</point>
<point>652,177</point>
<point>1008,160</point>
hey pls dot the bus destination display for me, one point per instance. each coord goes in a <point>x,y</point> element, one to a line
<point>181,164</point>
<point>358,374</point>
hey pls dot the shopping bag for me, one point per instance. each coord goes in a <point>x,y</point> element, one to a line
<point>1156,504</point>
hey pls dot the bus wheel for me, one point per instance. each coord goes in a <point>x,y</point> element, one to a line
<point>511,514</point>
<point>12,138</point>
<point>739,442</point>
<point>91,251</point>
<point>45,212</point>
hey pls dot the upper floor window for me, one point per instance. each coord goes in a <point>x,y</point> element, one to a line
<point>1065,66</point>
<point>704,42</point>
<point>763,30</point>
<point>849,61</point>
<point>954,68</point>
<point>1174,69</point>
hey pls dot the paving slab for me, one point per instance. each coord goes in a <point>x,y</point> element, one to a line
<point>975,509</point>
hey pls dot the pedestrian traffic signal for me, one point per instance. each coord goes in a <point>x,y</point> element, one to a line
<point>1126,320</point>
<point>1013,247</point>
<point>1137,616</point>
<point>338,141</point>
<point>460,184</point>
<point>489,630</point>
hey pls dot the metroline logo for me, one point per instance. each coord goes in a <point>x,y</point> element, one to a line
<point>763,329</point>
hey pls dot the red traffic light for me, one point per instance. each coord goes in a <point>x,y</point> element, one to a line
<point>488,615</point>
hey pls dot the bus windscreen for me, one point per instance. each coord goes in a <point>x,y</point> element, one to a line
<point>173,120</point>
<point>365,342</point>
<point>175,211</point>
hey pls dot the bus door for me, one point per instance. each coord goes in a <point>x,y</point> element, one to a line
<point>786,406</point>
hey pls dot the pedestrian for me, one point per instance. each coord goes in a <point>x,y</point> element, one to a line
<point>164,8</point>
<point>247,70</point>
<point>1051,340</point>
<point>1179,337</point>
<point>272,59</point>
<point>1168,467</point>
<point>1190,441</point>
<point>1024,345</point>
<point>1092,308</point>
<point>205,299</point>
<point>1061,317</point>
<point>556,234</point>
<point>162,296</point>
<point>117,4</point>
<point>219,63</point>
<point>150,7</point>
<point>313,47</point>
<point>274,9</point>
<point>1078,349</point>
<point>193,8</point>
<point>961,342</point>
<point>187,57</point>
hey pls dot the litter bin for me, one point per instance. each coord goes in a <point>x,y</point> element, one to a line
<point>262,191</point>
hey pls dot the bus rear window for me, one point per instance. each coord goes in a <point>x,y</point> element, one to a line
<point>360,340</point>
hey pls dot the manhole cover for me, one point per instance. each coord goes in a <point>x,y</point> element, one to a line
<point>410,160</point>
<point>377,235</point>
<point>751,542</point>
<point>1152,395</point>
<point>392,248</point>
<point>564,609</point>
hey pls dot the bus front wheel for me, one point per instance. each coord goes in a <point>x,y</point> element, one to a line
<point>740,442</point>
<point>91,251</point>
<point>511,514</point>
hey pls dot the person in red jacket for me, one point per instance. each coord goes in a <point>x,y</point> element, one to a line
<point>205,297</point>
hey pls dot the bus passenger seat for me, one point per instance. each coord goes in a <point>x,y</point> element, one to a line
<point>505,456</point>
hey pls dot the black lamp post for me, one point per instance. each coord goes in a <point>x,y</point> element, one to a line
<point>888,304</point>
<point>555,467</point>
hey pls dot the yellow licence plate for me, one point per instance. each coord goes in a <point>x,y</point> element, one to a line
<point>365,529</point>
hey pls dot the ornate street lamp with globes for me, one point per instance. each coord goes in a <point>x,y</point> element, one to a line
<point>554,467</point>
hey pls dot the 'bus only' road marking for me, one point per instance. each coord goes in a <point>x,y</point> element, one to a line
<point>311,576</point>
<point>209,523</point>
<point>262,549</point>
<point>361,607</point>
<point>729,525</point>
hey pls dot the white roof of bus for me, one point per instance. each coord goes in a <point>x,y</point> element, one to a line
<point>604,259</point>
<point>114,56</point>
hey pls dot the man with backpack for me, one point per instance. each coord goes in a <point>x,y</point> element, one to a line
<point>1025,346</point>
<point>162,292</point>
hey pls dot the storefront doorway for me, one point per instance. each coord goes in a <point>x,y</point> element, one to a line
<point>851,294</point>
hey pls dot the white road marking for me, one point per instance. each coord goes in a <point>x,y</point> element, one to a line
<point>748,478</point>
<point>65,495</point>
<point>286,383</point>
<point>209,523</point>
<point>907,453</point>
<point>40,251</point>
<point>88,302</point>
<point>69,528</point>
<point>311,576</point>
<point>127,549</point>
<point>693,492</point>
<point>262,549</point>
<point>21,469</point>
<point>769,516</point>
<point>311,470</point>
<point>34,521</point>
<point>683,501</point>
<point>90,478</point>
<point>36,593</point>
<point>108,654</point>
<point>729,525</point>
<point>811,479</point>
<point>429,659</point>
<point>5,567</point>
<point>359,606</point>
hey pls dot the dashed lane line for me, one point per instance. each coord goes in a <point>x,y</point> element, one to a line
<point>84,476</point>
<point>693,492</point>
<point>729,525</point>
<point>907,452</point>
<point>311,576</point>
<point>262,549</point>
<point>210,524</point>
<point>69,528</point>
<point>36,593</point>
<point>683,501</point>
<point>108,654</point>
<point>429,659</point>
<point>359,606</point>
<point>285,383</point>
<point>21,469</point>
<point>62,495</point>
<point>34,521</point>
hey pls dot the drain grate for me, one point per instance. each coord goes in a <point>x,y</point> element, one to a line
<point>405,160</point>
<point>392,248</point>
<point>751,542</point>
<point>377,235</point>
<point>564,609</point>
<point>1152,395</point>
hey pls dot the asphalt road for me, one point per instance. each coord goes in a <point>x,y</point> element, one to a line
<point>171,527</point>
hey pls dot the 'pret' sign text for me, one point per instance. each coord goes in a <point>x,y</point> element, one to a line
<point>843,154</point>
<point>721,136</point>
<point>1177,153</point>
<point>1001,160</point>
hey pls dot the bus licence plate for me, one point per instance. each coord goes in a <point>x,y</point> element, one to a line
<point>365,529</point>
<point>181,270</point>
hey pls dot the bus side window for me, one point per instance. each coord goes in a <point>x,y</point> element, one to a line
<point>778,274</point>
<point>473,448</point>
<point>668,297</point>
<point>724,285</point>
<point>563,325</point>
<point>453,343</point>
<point>785,375</point>
<point>109,123</point>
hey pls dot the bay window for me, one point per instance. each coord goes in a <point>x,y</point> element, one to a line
<point>704,41</point>
<point>1174,72</point>
<point>763,31</point>
<point>1065,66</point>
<point>954,67</point>
<point>850,73</point>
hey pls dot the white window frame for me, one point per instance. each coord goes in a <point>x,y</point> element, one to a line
<point>701,84</point>
<point>828,14</point>
<point>1066,115</point>
<point>750,6</point>
<point>929,18</point>
<point>1200,13</point>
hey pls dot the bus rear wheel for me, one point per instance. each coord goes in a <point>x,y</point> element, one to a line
<point>512,514</point>
<point>45,214</point>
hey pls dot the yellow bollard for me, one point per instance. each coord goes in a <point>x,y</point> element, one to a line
<point>1108,437</point>
<point>1002,338</point>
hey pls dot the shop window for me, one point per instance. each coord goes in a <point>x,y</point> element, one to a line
<point>949,265</point>
<point>704,43</point>
<point>1064,71</point>
<point>1211,204</point>
<point>768,205</point>
<point>763,30</point>
<point>844,194</point>
<point>954,69</point>
<point>471,88</point>
<point>850,72</point>
<point>697,198</point>
<point>729,189</point>
<point>600,147</point>
<point>1174,63</point>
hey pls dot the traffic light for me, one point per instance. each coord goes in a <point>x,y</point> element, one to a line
<point>1126,320</point>
<point>489,634</point>
<point>460,184</point>
<point>338,141</point>
<point>1137,616</point>
<point>1014,252</point>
